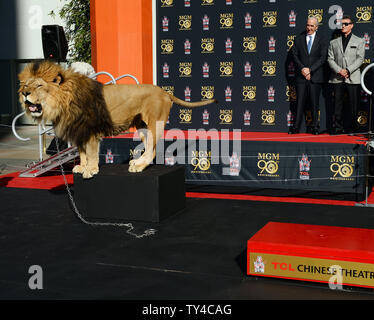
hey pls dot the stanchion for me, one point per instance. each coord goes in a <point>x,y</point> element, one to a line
<point>369,135</point>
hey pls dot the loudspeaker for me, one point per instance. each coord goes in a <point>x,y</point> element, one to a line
<point>54,42</point>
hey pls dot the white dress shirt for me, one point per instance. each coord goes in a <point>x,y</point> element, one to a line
<point>312,39</point>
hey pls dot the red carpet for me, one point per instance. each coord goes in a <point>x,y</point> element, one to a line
<point>258,136</point>
<point>47,182</point>
<point>276,199</point>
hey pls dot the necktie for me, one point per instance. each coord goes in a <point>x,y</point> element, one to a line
<point>309,43</point>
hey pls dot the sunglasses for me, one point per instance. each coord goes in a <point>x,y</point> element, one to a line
<point>346,23</point>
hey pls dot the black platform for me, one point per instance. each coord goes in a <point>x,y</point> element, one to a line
<point>115,194</point>
<point>198,253</point>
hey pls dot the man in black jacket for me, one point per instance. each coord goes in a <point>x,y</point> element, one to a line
<point>309,53</point>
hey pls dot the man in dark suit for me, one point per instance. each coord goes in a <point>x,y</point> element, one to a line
<point>309,53</point>
<point>345,57</point>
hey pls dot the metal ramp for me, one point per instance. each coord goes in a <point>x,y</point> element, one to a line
<point>50,163</point>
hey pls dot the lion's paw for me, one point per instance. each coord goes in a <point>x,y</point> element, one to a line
<point>90,172</point>
<point>78,169</point>
<point>136,168</point>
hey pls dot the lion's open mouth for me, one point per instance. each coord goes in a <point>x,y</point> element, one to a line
<point>34,108</point>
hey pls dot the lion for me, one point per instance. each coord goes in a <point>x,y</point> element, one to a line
<point>83,110</point>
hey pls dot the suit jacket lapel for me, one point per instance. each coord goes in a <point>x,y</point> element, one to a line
<point>351,41</point>
<point>304,45</point>
<point>340,45</point>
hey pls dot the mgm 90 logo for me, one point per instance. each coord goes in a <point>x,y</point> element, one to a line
<point>185,69</point>
<point>269,18</point>
<point>342,166</point>
<point>226,68</point>
<point>185,116</point>
<point>185,22</point>
<point>225,116</point>
<point>268,117</point>
<point>167,46</point>
<point>363,14</point>
<point>207,45</point>
<point>249,93</point>
<point>316,13</point>
<point>226,20</point>
<point>207,92</point>
<point>268,164</point>
<point>201,161</point>
<point>249,44</point>
<point>269,68</point>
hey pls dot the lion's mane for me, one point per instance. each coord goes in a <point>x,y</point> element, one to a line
<point>73,102</point>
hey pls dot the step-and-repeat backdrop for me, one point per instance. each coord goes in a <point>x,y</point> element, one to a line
<point>238,51</point>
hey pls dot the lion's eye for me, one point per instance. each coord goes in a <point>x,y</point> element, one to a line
<point>39,86</point>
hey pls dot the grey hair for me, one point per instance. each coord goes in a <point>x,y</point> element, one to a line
<point>314,18</point>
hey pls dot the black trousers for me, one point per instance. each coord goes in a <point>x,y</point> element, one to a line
<point>307,91</point>
<point>352,91</point>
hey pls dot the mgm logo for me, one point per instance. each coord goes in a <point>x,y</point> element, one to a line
<point>316,13</point>
<point>268,164</point>
<point>226,20</point>
<point>363,14</point>
<point>269,68</point>
<point>342,167</point>
<point>269,18</point>
<point>249,93</point>
<point>207,45</point>
<point>167,46</point>
<point>201,161</point>
<point>185,69</point>
<point>185,22</point>
<point>226,68</point>
<point>185,116</point>
<point>249,44</point>
<point>225,116</point>
<point>268,117</point>
<point>207,92</point>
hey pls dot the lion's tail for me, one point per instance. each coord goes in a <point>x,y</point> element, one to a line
<point>192,104</point>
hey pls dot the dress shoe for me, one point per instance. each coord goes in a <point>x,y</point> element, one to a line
<point>293,131</point>
<point>337,132</point>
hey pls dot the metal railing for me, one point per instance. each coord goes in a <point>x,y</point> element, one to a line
<point>370,142</point>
